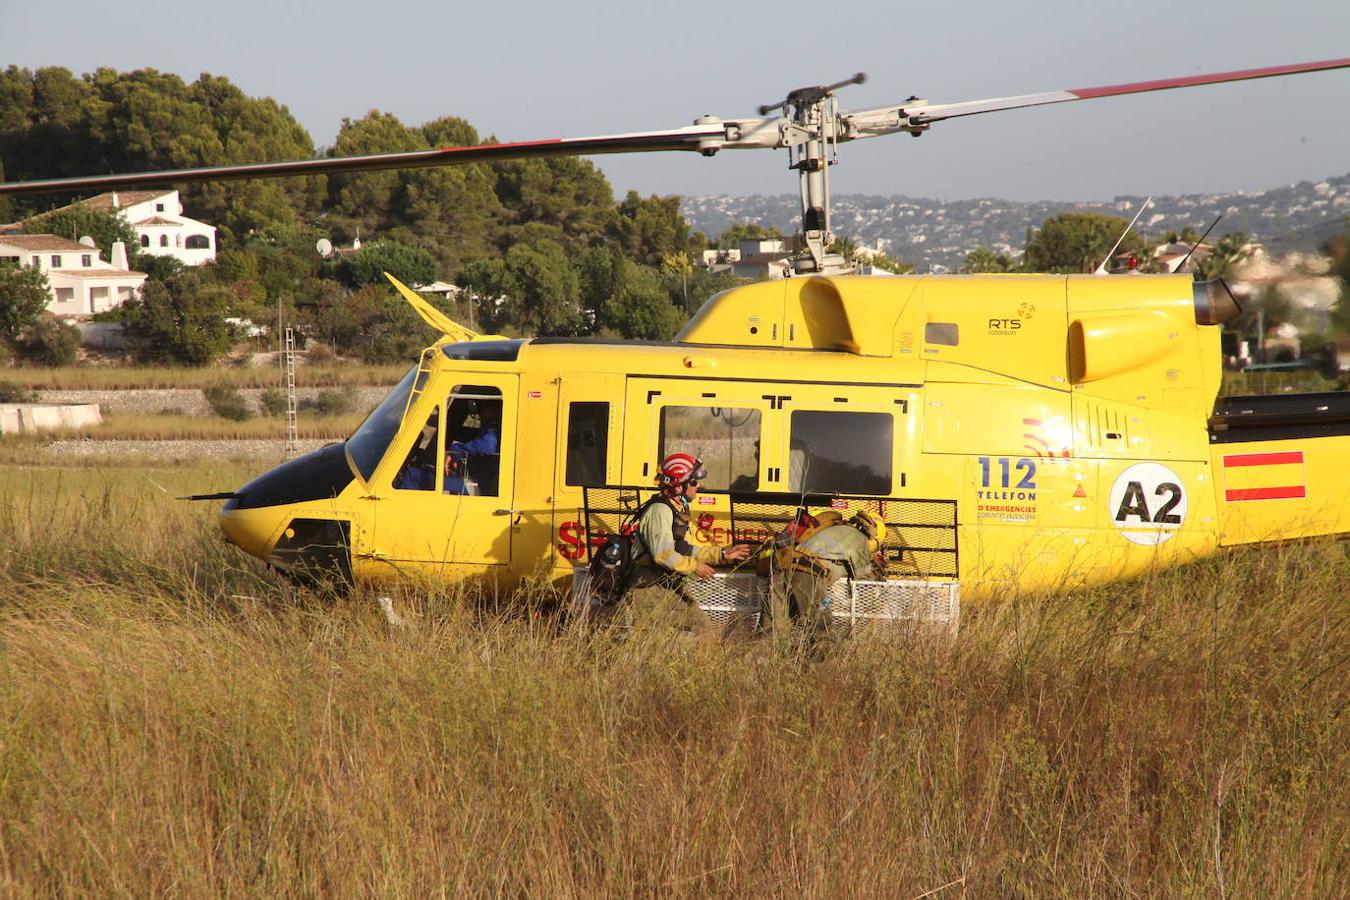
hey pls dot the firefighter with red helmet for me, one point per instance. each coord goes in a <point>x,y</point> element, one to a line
<point>666,556</point>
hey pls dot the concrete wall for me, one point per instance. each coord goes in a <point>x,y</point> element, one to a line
<point>190,401</point>
<point>103,335</point>
<point>24,418</point>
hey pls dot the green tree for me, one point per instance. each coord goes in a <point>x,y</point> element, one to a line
<point>49,342</point>
<point>888,264</point>
<point>982,259</point>
<point>704,283</point>
<point>1078,242</point>
<point>159,268</point>
<point>843,245</point>
<point>532,290</point>
<point>411,265</point>
<point>371,323</point>
<point>543,290</point>
<point>1228,252</point>
<point>1269,309</point>
<point>678,268</point>
<point>628,299</point>
<point>181,321</point>
<point>450,212</point>
<point>24,294</point>
<point>1187,235</point>
<point>389,329</point>
<point>53,124</point>
<point>568,194</point>
<point>652,229</point>
<point>640,306</point>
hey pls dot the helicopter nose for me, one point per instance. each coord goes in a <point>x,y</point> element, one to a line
<point>251,530</point>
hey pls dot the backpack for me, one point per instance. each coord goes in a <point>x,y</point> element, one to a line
<point>614,565</point>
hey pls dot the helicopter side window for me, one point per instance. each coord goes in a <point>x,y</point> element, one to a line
<point>473,431</point>
<point>725,439</point>
<point>945,333</point>
<point>419,469</point>
<point>587,443</point>
<point>840,452</point>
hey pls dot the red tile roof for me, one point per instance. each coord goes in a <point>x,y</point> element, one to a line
<point>124,199</point>
<point>45,242</point>
<point>156,220</point>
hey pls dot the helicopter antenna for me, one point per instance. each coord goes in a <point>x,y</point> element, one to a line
<point>1181,265</point>
<point>1101,269</point>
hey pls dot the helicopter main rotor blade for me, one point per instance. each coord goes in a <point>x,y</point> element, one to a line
<point>917,115</point>
<point>705,138</point>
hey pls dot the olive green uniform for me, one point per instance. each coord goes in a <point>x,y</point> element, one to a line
<point>667,561</point>
<point>804,572</point>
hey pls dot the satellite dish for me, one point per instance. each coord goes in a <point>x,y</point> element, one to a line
<point>324,247</point>
<point>87,241</point>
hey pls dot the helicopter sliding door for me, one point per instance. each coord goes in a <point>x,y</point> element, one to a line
<point>442,497</point>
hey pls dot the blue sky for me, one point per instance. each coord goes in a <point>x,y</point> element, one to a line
<point>536,70</point>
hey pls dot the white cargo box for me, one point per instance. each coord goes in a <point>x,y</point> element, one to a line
<point>728,598</point>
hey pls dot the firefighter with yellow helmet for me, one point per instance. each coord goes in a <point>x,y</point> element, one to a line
<point>814,553</point>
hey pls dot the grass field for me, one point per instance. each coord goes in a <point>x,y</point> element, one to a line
<point>116,378</point>
<point>175,721</point>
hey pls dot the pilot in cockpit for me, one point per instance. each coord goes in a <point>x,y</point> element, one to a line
<point>471,464</point>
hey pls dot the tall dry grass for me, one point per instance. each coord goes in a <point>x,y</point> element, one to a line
<point>174,721</point>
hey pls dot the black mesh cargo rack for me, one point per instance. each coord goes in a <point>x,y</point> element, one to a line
<point>921,535</point>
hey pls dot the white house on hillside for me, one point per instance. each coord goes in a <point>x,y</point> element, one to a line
<point>157,217</point>
<point>82,284</point>
<point>762,258</point>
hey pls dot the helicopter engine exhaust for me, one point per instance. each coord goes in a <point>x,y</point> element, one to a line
<point>1214,303</point>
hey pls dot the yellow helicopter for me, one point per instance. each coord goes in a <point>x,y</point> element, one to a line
<point>1015,430</point>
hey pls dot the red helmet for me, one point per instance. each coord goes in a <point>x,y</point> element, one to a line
<point>680,468</point>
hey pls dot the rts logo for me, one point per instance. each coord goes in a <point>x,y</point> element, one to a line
<point>1011,326</point>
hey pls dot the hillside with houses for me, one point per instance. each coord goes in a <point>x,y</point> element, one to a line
<point>929,234</point>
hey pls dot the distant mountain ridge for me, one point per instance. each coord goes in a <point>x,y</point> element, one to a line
<point>929,233</point>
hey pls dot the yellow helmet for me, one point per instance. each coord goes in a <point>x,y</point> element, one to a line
<point>871,526</point>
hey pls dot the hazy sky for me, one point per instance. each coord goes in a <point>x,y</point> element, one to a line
<point>528,70</point>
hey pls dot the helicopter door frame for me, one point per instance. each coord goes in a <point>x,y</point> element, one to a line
<point>429,530</point>
<point>569,532</point>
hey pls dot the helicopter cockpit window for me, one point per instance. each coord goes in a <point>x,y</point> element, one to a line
<point>367,444</point>
<point>419,469</point>
<point>840,452</point>
<point>587,443</point>
<point>473,431</point>
<point>725,439</point>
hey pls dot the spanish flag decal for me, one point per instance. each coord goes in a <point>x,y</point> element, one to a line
<point>1264,476</point>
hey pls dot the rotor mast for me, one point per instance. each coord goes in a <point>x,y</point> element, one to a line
<point>811,135</point>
